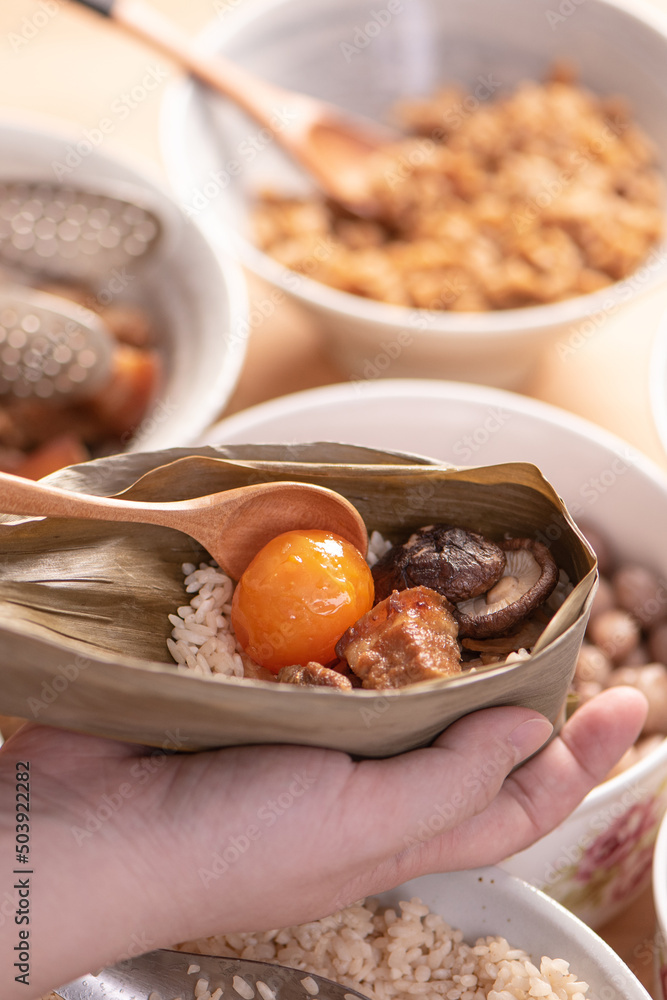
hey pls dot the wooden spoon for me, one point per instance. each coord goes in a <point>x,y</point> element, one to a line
<point>334,147</point>
<point>233,525</point>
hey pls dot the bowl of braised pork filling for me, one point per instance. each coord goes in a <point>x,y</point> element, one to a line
<point>88,242</point>
<point>523,191</point>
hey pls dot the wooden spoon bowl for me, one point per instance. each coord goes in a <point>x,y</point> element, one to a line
<point>233,525</point>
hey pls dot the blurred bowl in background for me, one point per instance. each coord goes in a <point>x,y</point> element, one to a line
<point>193,299</point>
<point>660,901</point>
<point>658,381</point>
<point>600,858</point>
<point>217,162</point>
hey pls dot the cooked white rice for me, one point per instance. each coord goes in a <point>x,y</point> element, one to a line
<point>202,638</point>
<point>390,955</point>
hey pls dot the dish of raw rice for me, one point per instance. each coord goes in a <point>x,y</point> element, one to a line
<point>395,954</point>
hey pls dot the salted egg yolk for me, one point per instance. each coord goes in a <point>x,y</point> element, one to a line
<point>297,597</point>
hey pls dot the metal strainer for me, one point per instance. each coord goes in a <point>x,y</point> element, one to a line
<point>164,975</point>
<point>70,233</point>
<point>50,347</point>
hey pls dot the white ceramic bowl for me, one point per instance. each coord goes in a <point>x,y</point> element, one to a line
<point>488,901</point>
<point>217,158</point>
<point>195,297</point>
<point>658,381</point>
<point>660,901</point>
<point>599,859</point>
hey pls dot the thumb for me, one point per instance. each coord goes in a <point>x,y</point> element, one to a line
<point>436,788</point>
<point>434,791</point>
<point>519,732</point>
<point>483,748</point>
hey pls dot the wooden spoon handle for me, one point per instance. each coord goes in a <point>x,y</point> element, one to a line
<point>24,496</point>
<point>330,146</point>
<point>261,100</point>
<point>232,525</point>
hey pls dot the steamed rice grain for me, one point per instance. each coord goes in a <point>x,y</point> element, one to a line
<point>400,954</point>
<point>202,639</point>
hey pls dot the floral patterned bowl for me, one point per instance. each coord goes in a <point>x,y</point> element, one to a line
<point>660,899</point>
<point>599,859</point>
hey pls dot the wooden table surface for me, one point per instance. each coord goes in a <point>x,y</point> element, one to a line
<point>60,62</point>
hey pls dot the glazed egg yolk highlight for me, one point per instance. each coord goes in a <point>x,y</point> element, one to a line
<point>297,597</point>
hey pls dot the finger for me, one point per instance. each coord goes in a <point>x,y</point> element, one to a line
<point>520,730</point>
<point>50,744</point>
<point>600,732</point>
<point>541,794</point>
<point>435,789</point>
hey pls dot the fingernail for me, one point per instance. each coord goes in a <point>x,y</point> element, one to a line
<point>529,737</point>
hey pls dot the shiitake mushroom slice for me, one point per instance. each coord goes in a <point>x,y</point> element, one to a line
<point>454,562</point>
<point>493,587</point>
<point>529,577</point>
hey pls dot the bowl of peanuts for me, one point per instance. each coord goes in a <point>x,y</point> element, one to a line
<point>600,858</point>
<point>523,193</point>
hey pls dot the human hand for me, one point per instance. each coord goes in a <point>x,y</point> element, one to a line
<point>134,849</point>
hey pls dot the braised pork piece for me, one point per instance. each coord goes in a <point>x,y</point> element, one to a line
<point>410,636</point>
<point>313,675</point>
